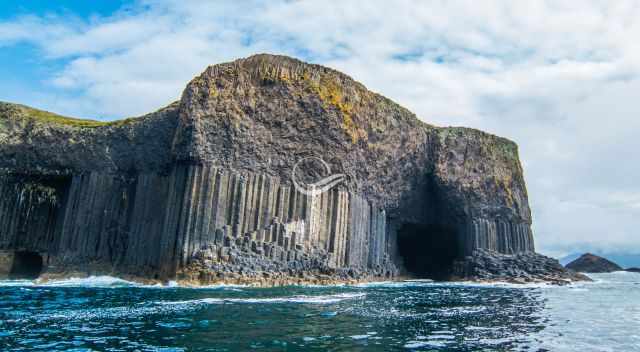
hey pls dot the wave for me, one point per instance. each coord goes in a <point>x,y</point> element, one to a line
<point>105,281</point>
<point>615,278</point>
<point>394,284</point>
<point>429,283</point>
<point>504,284</point>
<point>91,281</point>
<point>422,344</point>
<point>322,299</point>
<point>16,283</point>
<point>169,308</point>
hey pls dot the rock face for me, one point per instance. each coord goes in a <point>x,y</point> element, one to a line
<point>202,189</point>
<point>590,263</point>
<point>517,268</point>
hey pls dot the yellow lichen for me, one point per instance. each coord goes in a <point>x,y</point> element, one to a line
<point>271,75</point>
<point>213,92</point>
<point>326,86</point>
<point>330,92</point>
<point>505,183</point>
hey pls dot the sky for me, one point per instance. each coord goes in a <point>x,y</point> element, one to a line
<point>560,78</point>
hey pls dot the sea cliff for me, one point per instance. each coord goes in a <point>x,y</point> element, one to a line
<point>201,191</point>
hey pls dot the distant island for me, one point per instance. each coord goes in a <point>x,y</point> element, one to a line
<point>625,260</point>
<point>591,263</point>
<point>203,191</point>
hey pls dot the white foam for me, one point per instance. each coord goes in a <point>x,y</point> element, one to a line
<point>431,283</point>
<point>229,287</point>
<point>15,283</point>
<point>103,281</point>
<point>110,281</point>
<point>369,334</point>
<point>420,344</point>
<point>394,284</point>
<point>441,337</point>
<point>359,337</point>
<point>419,280</point>
<point>91,281</point>
<point>504,284</point>
<point>325,299</point>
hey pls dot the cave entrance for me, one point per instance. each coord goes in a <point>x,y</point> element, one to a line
<point>428,251</point>
<point>26,265</point>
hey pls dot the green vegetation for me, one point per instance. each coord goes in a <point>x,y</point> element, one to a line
<point>16,110</point>
<point>49,117</point>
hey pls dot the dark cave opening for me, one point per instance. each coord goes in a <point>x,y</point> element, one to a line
<point>26,265</point>
<point>428,251</point>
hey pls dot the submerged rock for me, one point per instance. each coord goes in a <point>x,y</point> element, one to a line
<point>590,263</point>
<point>203,189</point>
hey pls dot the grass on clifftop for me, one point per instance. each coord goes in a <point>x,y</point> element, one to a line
<point>50,117</point>
<point>9,109</point>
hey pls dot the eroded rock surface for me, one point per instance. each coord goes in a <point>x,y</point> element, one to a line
<point>201,190</point>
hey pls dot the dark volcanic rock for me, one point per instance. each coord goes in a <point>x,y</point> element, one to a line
<point>589,263</point>
<point>633,270</point>
<point>518,268</point>
<point>201,190</point>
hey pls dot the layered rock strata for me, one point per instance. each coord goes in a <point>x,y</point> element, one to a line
<point>201,190</point>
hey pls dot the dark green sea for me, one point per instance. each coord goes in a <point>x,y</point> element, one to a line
<point>107,314</point>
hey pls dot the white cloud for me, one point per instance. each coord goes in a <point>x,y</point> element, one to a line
<point>558,77</point>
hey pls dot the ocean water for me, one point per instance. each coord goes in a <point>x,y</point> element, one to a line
<point>108,314</point>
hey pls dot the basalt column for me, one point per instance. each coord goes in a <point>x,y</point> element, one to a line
<point>201,190</point>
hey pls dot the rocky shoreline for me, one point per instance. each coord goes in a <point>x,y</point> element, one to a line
<point>315,279</point>
<point>527,267</point>
<point>253,270</point>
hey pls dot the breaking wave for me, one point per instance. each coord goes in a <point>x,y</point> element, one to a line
<point>105,281</point>
<point>323,299</point>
